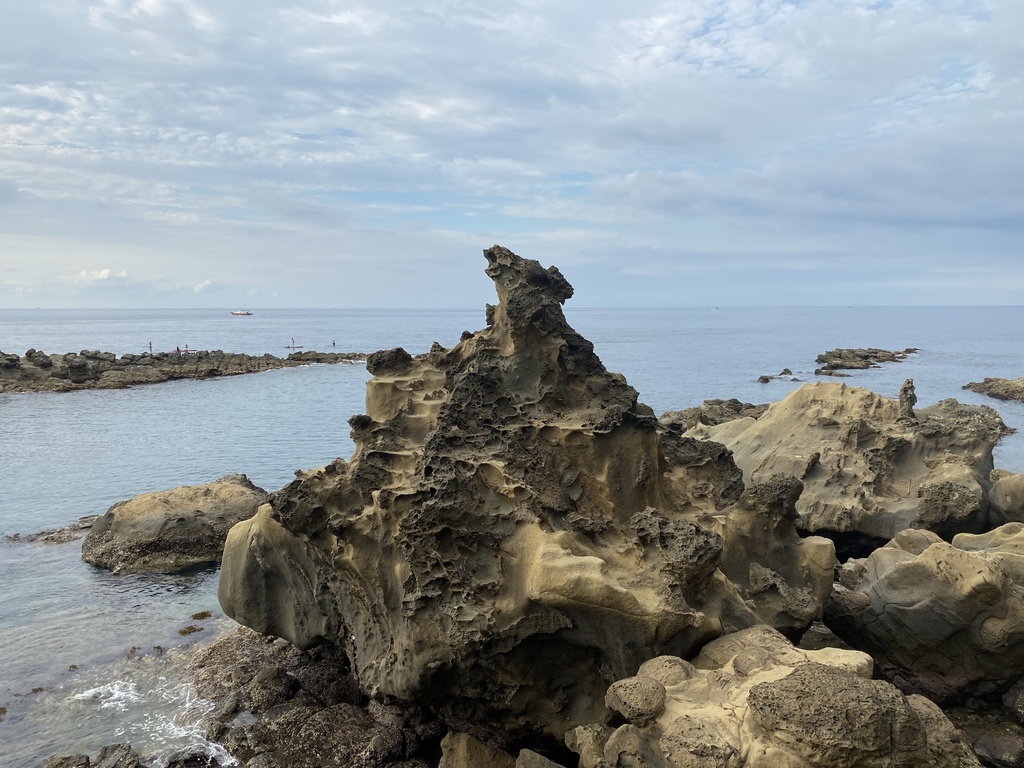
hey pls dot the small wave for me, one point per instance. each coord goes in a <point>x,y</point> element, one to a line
<point>168,718</point>
<point>119,695</point>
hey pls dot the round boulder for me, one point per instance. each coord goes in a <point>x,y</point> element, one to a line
<point>168,531</point>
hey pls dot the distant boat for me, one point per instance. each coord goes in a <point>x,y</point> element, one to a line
<point>241,313</point>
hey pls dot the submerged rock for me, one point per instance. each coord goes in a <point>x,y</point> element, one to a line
<point>513,533</point>
<point>173,530</point>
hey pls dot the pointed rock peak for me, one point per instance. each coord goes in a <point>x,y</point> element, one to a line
<point>528,294</point>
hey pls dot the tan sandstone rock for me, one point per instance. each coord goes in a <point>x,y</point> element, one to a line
<point>173,530</point>
<point>870,465</point>
<point>942,619</point>
<point>1007,497</point>
<point>758,702</point>
<point>513,533</point>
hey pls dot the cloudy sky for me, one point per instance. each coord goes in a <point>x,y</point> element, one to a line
<point>322,153</point>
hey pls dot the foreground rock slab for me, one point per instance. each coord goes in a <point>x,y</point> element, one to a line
<point>512,534</point>
<point>752,700</point>
<point>36,371</point>
<point>168,531</point>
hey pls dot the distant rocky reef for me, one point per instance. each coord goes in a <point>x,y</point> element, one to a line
<point>837,360</point>
<point>36,371</point>
<point>1000,389</point>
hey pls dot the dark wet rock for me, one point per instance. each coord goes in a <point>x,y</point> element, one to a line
<point>276,706</point>
<point>173,530</point>
<point>859,359</point>
<point>1001,389</point>
<point>63,535</point>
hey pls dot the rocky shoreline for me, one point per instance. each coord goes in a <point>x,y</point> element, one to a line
<point>521,566</point>
<point>35,371</point>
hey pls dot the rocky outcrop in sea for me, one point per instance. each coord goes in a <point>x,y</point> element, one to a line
<point>1000,389</point>
<point>36,371</point>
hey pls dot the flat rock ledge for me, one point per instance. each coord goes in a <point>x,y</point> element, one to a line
<point>36,371</point>
<point>1000,389</point>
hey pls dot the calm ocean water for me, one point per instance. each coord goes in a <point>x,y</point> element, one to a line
<point>80,658</point>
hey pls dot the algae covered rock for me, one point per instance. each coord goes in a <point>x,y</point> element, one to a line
<point>513,533</point>
<point>173,530</point>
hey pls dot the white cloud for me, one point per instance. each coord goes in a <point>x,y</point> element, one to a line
<point>84,277</point>
<point>224,139</point>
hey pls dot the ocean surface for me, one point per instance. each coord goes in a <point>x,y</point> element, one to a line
<point>88,659</point>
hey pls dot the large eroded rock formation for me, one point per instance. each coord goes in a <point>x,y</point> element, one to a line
<point>872,466</point>
<point>513,532</point>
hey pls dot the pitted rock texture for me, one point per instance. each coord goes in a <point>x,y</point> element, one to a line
<point>871,465</point>
<point>945,620</point>
<point>167,531</point>
<point>512,534</point>
<point>785,578</point>
<point>755,701</point>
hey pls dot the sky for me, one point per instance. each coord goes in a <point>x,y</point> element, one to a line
<point>191,153</point>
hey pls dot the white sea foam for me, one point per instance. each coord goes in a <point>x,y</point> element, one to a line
<point>119,695</point>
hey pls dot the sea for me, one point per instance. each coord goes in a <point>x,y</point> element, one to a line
<point>89,659</point>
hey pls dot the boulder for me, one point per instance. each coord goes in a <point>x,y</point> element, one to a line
<point>1007,497</point>
<point>755,701</point>
<point>174,530</point>
<point>871,466</point>
<point>942,619</point>
<point>513,533</point>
